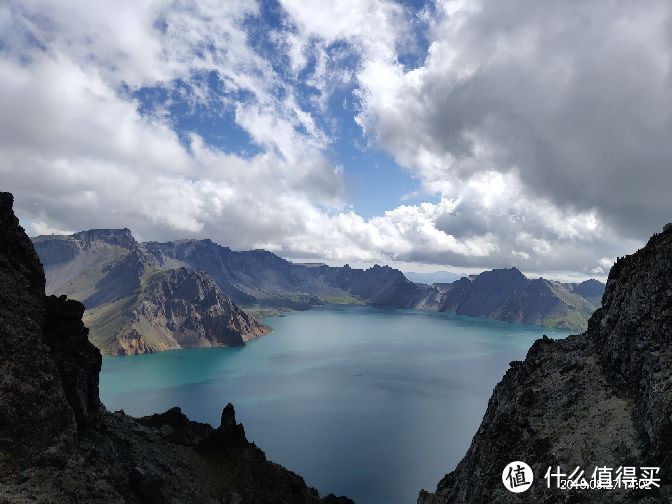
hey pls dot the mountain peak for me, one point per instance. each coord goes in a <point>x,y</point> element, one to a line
<point>384,267</point>
<point>512,274</point>
<point>119,237</point>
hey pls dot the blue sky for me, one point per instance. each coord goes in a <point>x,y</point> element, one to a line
<point>374,182</point>
<point>441,135</point>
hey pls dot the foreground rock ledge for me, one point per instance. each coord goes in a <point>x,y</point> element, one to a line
<point>58,444</point>
<point>602,398</point>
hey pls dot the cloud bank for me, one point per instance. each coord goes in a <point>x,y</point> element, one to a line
<point>538,133</point>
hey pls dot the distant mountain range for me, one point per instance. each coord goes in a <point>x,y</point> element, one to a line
<point>146,297</point>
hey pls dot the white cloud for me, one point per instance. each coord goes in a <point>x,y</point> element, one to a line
<point>544,95</point>
<point>565,94</point>
<point>78,153</point>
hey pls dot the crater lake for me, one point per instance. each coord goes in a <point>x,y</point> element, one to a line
<point>369,403</point>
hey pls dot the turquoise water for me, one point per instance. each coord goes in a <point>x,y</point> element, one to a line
<point>372,404</point>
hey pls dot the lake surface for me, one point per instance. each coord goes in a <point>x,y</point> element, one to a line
<point>372,404</point>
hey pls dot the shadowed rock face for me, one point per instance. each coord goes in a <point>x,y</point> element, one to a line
<point>602,398</point>
<point>30,387</point>
<point>59,444</point>
<point>77,360</point>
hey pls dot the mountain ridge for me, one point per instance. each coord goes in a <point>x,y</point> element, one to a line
<point>109,265</point>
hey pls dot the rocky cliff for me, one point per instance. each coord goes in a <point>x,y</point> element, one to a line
<point>30,389</point>
<point>180,308</point>
<point>599,399</point>
<point>59,444</point>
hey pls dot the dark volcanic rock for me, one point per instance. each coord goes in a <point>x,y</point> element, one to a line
<point>31,392</point>
<point>632,333</point>
<point>57,442</point>
<point>229,434</point>
<point>77,360</point>
<point>602,398</point>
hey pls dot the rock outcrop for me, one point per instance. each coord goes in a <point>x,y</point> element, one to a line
<point>31,391</point>
<point>78,362</point>
<point>59,444</point>
<point>602,398</point>
<point>180,308</point>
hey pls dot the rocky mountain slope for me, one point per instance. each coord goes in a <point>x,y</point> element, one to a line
<point>173,309</point>
<point>105,269</point>
<point>602,398</point>
<point>506,294</point>
<point>258,277</point>
<point>133,305</point>
<point>59,444</point>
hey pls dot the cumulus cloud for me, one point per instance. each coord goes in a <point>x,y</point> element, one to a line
<point>524,128</point>
<point>524,92</point>
<point>572,97</point>
<point>78,146</point>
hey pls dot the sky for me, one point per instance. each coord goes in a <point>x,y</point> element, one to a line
<point>431,136</point>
